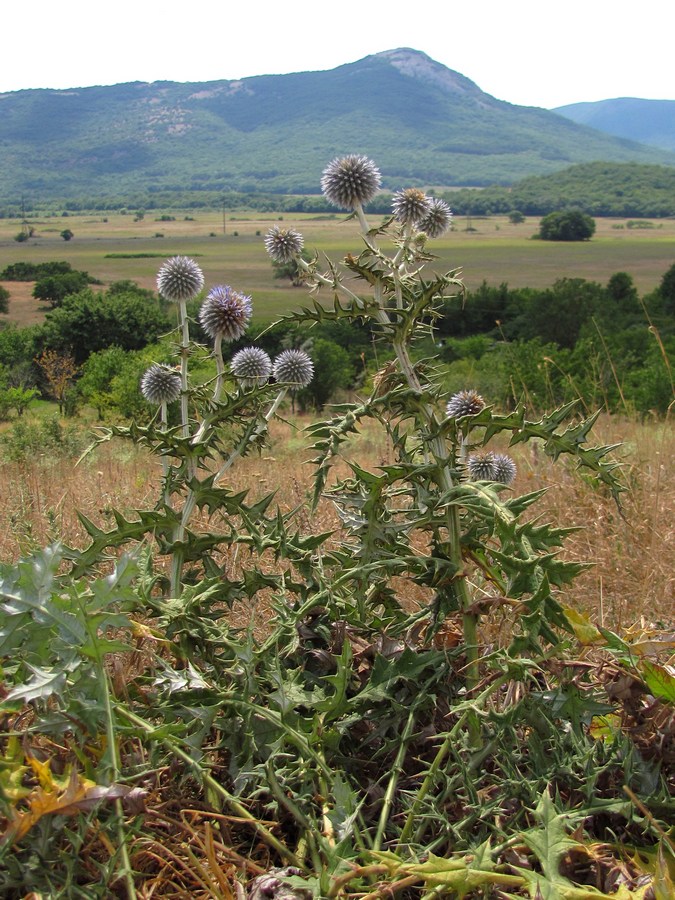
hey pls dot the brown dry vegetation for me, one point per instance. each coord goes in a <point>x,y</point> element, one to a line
<point>631,580</point>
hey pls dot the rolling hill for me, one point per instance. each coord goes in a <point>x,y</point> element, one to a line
<point>422,122</point>
<point>647,121</point>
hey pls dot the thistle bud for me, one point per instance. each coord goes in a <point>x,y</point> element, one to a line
<point>505,468</point>
<point>225,313</point>
<point>293,367</point>
<point>481,466</point>
<point>179,279</point>
<point>283,244</point>
<point>410,205</point>
<point>350,181</point>
<point>160,384</point>
<point>252,366</point>
<point>464,403</point>
<point>437,220</point>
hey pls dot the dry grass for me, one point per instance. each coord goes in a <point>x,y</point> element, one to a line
<point>632,577</point>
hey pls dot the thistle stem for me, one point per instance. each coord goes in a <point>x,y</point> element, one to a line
<point>184,353</point>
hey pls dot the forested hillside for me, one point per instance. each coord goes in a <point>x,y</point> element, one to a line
<point>427,124</point>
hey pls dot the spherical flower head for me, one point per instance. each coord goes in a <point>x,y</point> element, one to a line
<point>160,384</point>
<point>225,313</point>
<point>505,468</point>
<point>283,244</point>
<point>293,367</point>
<point>252,366</point>
<point>437,221</point>
<point>351,180</point>
<point>464,403</point>
<point>180,279</point>
<point>411,205</point>
<point>482,466</point>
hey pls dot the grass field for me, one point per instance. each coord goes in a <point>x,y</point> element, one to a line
<point>496,251</point>
<point>631,577</point>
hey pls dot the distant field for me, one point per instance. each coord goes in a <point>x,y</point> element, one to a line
<point>495,251</point>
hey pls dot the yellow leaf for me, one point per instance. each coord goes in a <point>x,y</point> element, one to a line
<point>605,728</point>
<point>585,631</point>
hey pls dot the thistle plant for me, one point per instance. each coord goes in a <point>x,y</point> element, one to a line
<point>216,428</point>
<point>391,747</point>
<point>438,495</point>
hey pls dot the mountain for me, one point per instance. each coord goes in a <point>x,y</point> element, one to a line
<point>647,121</point>
<point>423,124</point>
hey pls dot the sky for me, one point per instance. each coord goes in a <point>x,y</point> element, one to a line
<point>527,52</point>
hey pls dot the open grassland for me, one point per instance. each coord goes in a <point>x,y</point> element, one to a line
<point>632,573</point>
<point>110,249</point>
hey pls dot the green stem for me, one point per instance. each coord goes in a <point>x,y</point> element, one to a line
<point>444,481</point>
<point>114,759</point>
<point>214,786</point>
<point>184,353</point>
<point>397,770</point>
<point>441,753</point>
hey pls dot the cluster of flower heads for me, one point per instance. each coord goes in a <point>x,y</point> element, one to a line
<point>482,466</point>
<point>349,182</point>
<point>225,315</point>
<point>491,467</point>
<point>253,367</point>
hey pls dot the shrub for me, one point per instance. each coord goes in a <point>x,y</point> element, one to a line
<point>567,225</point>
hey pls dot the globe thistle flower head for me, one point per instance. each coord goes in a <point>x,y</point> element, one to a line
<point>464,403</point>
<point>293,367</point>
<point>437,220</point>
<point>160,384</point>
<point>179,279</point>
<point>411,205</point>
<point>283,244</point>
<point>225,313</point>
<point>505,468</point>
<point>351,180</point>
<point>252,366</point>
<point>482,467</point>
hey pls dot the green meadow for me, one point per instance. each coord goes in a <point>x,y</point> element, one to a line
<point>116,247</point>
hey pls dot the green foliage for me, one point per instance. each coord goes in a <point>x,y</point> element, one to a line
<point>87,322</point>
<point>53,289</point>
<point>569,225</point>
<point>597,188</point>
<point>333,371</point>
<point>16,398</point>
<point>4,299</point>
<point>67,234</point>
<point>29,271</point>
<point>43,438</point>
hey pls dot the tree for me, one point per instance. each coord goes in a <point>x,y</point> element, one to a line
<point>332,370</point>
<point>567,225</point>
<point>55,288</point>
<point>67,234</point>
<point>667,290</point>
<point>516,217</point>
<point>17,398</point>
<point>59,370</point>
<point>4,299</point>
<point>87,322</point>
